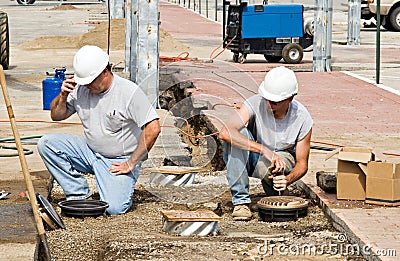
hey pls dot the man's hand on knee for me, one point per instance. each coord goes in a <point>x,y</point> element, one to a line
<point>119,168</point>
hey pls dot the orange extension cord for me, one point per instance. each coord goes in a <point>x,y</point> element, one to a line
<point>180,57</point>
<point>184,56</point>
<point>218,54</point>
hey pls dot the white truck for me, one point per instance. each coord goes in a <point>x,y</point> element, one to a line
<point>390,13</point>
<point>4,40</point>
<point>26,2</point>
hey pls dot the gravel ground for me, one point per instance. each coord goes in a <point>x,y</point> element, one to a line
<point>138,234</point>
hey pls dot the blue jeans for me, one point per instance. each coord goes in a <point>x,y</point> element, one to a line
<point>67,156</point>
<point>242,164</point>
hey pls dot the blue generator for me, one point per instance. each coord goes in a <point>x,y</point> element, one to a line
<point>275,30</point>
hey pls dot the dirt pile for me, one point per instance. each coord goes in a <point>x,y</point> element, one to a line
<point>99,36</point>
<point>62,7</point>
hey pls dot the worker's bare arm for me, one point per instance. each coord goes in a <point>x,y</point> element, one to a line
<point>58,106</point>
<point>231,134</point>
<point>146,142</point>
<point>302,155</point>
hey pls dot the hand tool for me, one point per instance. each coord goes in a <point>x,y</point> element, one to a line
<point>25,170</point>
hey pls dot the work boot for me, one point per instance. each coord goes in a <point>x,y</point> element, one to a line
<point>241,212</point>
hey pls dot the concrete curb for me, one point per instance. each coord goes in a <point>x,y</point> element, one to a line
<point>384,87</point>
<point>337,220</point>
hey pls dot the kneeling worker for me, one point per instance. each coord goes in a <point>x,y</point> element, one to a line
<point>269,138</point>
<point>120,126</point>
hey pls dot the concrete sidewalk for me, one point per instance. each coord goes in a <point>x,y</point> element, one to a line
<point>346,110</point>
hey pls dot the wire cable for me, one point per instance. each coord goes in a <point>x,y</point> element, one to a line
<point>109,27</point>
<point>218,54</point>
<point>22,138</point>
<point>225,104</point>
<point>26,151</point>
<point>183,56</point>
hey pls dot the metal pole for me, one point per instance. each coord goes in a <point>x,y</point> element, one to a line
<point>329,22</point>
<point>207,8</point>
<point>224,4</point>
<point>133,42</point>
<point>323,36</point>
<point>145,48</point>
<point>216,10</point>
<point>378,40</point>
<point>117,8</point>
<point>354,20</point>
<point>128,35</point>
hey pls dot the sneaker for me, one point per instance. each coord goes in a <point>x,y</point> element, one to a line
<point>241,212</point>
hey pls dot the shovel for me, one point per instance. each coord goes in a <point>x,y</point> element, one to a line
<point>24,166</point>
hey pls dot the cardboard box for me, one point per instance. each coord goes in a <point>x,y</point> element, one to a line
<point>351,179</point>
<point>383,183</point>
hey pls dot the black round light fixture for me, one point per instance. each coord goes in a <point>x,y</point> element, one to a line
<point>83,208</point>
<point>281,208</point>
<point>48,213</point>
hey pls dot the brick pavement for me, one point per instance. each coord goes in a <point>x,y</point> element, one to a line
<point>340,105</point>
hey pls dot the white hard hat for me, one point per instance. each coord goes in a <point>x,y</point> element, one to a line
<point>280,83</point>
<point>88,63</point>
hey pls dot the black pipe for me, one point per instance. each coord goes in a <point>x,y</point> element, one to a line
<point>321,148</point>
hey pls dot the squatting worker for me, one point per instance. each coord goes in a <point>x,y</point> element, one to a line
<point>269,136</point>
<point>120,127</point>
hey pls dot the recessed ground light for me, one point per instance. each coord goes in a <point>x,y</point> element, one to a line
<point>282,208</point>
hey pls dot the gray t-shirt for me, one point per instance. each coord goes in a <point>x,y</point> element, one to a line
<point>113,120</point>
<point>278,135</point>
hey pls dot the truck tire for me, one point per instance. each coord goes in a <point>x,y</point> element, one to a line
<point>242,58</point>
<point>235,57</point>
<point>386,23</point>
<point>272,58</point>
<point>4,41</point>
<point>292,53</point>
<point>26,2</point>
<point>394,18</point>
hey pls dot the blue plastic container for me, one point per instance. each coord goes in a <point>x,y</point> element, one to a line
<point>51,87</point>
